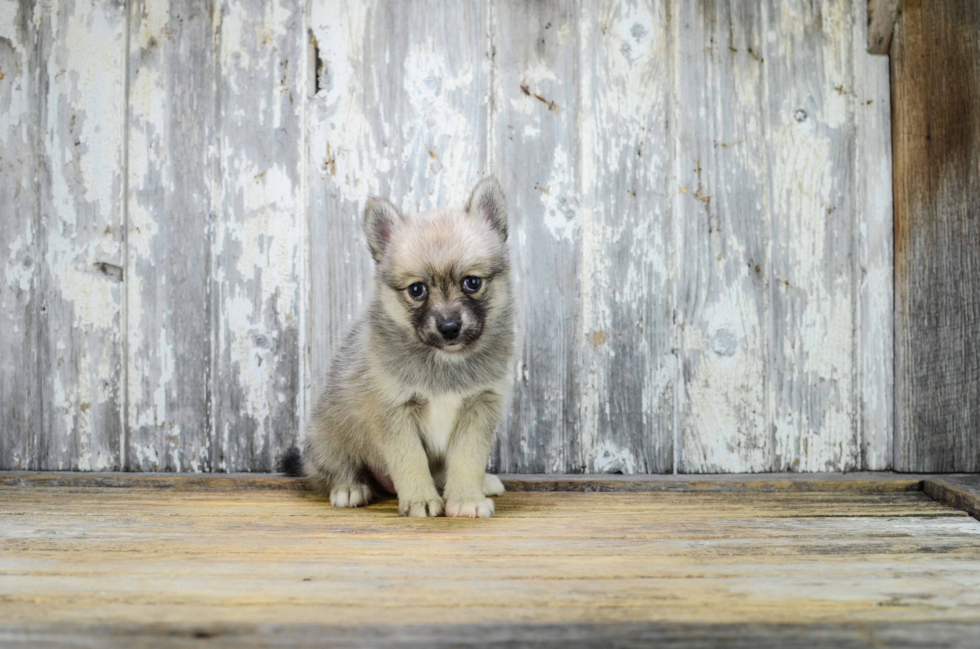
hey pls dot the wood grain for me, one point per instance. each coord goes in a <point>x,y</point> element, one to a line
<point>536,144</point>
<point>876,482</point>
<point>259,235</point>
<point>670,635</point>
<point>20,299</point>
<point>881,16</point>
<point>172,172</point>
<point>813,403</point>
<point>181,558</point>
<point>874,275</point>
<point>625,342</point>
<point>936,129</point>
<point>80,188</point>
<point>960,492</point>
<point>722,194</point>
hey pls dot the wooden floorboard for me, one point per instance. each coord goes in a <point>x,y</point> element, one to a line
<point>858,481</point>
<point>86,564</point>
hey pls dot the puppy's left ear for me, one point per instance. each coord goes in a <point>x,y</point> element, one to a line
<point>488,202</point>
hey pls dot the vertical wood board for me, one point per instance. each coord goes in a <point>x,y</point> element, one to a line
<point>258,234</point>
<point>874,275</point>
<point>80,191</point>
<point>935,95</point>
<point>172,168</point>
<point>812,384</point>
<point>722,193</point>
<point>536,142</point>
<point>20,405</point>
<point>626,340</point>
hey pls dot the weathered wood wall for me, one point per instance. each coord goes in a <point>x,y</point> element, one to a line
<point>700,203</point>
<point>936,66</point>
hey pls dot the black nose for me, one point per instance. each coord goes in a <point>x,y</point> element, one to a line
<point>449,329</point>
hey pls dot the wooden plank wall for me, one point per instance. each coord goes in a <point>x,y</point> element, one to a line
<point>700,201</point>
<point>935,56</point>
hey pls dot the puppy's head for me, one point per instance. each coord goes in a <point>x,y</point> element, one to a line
<point>442,275</point>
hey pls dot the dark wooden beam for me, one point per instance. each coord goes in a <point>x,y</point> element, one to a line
<point>935,64</point>
<point>956,491</point>
<point>881,22</point>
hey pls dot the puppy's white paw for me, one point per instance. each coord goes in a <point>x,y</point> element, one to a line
<point>350,495</point>
<point>492,486</point>
<point>420,508</point>
<point>477,508</point>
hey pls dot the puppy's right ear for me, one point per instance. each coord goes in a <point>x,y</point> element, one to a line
<point>380,218</point>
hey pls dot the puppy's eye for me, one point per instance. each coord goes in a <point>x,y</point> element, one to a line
<point>418,291</point>
<point>472,284</point>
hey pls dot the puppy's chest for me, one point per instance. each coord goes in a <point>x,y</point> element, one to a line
<point>438,420</point>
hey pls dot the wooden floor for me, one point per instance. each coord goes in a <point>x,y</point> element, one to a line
<point>745,561</point>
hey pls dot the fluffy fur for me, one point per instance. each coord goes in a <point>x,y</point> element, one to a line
<point>415,391</point>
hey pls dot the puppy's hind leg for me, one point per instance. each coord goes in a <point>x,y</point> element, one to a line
<point>492,486</point>
<point>350,494</point>
<point>335,473</point>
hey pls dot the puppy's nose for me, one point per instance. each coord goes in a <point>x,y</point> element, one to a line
<point>448,329</point>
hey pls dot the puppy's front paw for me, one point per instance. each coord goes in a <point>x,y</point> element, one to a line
<point>476,508</point>
<point>350,495</point>
<point>420,507</point>
<point>492,486</point>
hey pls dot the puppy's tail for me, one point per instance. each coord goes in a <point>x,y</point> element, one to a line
<point>291,463</point>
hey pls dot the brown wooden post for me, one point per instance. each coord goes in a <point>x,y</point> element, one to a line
<point>935,59</point>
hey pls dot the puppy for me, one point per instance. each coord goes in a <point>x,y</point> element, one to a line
<point>415,391</point>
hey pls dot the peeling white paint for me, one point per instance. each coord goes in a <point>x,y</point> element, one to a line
<point>19,270</point>
<point>560,209</point>
<point>641,222</point>
<point>610,459</point>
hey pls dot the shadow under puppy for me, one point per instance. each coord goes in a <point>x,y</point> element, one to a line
<point>415,392</point>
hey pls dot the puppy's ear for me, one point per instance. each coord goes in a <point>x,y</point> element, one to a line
<point>488,202</point>
<point>380,218</point>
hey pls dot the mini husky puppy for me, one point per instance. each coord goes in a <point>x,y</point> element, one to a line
<point>415,392</point>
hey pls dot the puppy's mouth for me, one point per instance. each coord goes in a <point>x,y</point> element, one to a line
<point>454,346</point>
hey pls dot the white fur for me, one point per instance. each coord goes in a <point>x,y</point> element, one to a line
<point>439,422</point>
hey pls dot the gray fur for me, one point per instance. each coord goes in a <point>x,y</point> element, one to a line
<point>401,399</point>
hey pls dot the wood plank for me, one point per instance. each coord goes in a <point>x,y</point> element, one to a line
<point>670,635</point>
<point>813,404</point>
<point>881,16</point>
<point>625,343</point>
<point>399,109</point>
<point>935,91</point>
<point>259,235</point>
<point>20,301</point>
<point>540,513</point>
<point>874,239</point>
<point>172,170</point>
<point>724,222</point>
<point>81,187</point>
<point>869,482</point>
<point>536,145</point>
<point>141,556</point>
<point>961,492</point>
<point>878,482</point>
